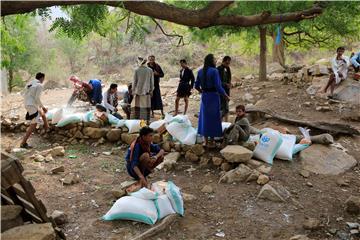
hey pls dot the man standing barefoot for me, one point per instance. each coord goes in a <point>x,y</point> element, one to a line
<point>34,107</point>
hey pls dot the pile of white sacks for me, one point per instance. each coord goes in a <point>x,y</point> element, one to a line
<point>148,206</point>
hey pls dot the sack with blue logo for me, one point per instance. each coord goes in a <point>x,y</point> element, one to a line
<point>268,146</point>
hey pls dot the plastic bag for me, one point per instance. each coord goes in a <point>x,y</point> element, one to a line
<point>174,195</point>
<point>163,206</point>
<point>182,132</point>
<point>57,116</point>
<point>269,144</point>
<point>89,116</point>
<point>159,187</point>
<point>305,132</point>
<point>145,193</point>
<point>285,151</point>
<point>133,208</point>
<point>50,113</point>
<point>113,120</point>
<point>157,124</point>
<point>225,125</point>
<point>134,126</point>
<point>71,118</point>
<point>299,147</point>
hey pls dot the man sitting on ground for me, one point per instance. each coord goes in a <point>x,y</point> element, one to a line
<point>143,156</point>
<point>339,66</point>
<point>238,132</point>
<point>110,100</point>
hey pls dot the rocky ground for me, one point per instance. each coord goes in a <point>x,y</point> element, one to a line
<point>296,201</point>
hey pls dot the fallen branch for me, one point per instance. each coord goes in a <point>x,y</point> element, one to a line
<point>164,224</point>
<point>332,128</point>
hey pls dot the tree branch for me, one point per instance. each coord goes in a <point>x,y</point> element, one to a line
<point>181,38</point>
<point>203,18</point>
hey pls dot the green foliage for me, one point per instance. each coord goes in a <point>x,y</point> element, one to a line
<point>81,21</point>
<point>18,47</point>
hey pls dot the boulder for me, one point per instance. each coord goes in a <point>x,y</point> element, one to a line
<point>190,156</point>
<point>197,149</point>
<point>318,70</point>
<point>42,231</point>
<point>225,166</point>
<point>263,179</point>
<point>320,159</point>
<point>114,135</point>
<point>71,178</point>
<point>57,151</point>
<point>59,217</point>
<point>254,163</point>
<point>217,161</point>
<point>264,169</point>
<point>10,217</point>
<point>236,153</point>
<point>239,174</point>
<point>269,193</point>
<point>94,132</point>
<point>38,158</point>
<point>275,67</point>
<point>170,161</point>
<point>118,192</point>
<point>49,158</point>
<point>353,205</point>
<point>253,176</point>
<point>204,161</point>
<point>128,138</point>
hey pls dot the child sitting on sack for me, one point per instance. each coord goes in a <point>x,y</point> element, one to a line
<point>238,132</point>
<point>143,156</point>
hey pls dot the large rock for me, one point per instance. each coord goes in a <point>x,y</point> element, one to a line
<point>329,160</point>
<point>170,161</point>
<point>190,156</point>
<point>349,91</point>
<point>275,67</point>
<point>236,153</point>
<point>197,149</point>
<point>114,135</point>
<point>94,132</point>
<point>269,193</point>
<point>239,174</point>
<point>128,138</point>
<point>299,237</point>
<point>71,178</point>
<point>353,205</point>
<point>10,217</point>
<point>43,231</point>
<point>59,217</point>
<point>57,151</point>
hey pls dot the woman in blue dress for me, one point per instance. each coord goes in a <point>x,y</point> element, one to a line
<point>208,83</point>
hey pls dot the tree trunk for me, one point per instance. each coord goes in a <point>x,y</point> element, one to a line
<point>11,79</point>
<point>262,68</point>
<point>278,51</point>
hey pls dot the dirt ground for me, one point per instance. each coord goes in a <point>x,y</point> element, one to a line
<point>231,209</point>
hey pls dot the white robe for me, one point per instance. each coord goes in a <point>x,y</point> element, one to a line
<point>340,66</point>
